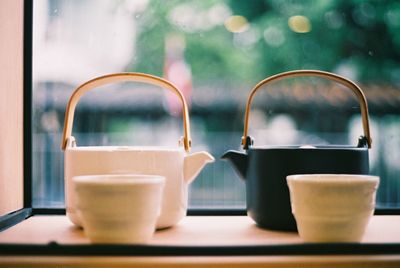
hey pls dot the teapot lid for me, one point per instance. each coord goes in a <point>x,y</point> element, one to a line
<point>126,148</point>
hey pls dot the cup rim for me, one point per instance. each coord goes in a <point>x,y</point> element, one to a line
<point>120,179</point>
<point>332,178</point>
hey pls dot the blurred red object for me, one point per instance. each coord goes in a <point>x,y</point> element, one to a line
<point>178,72</point>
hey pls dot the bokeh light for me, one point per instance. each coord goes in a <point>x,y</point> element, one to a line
<point>236,24</point>
<point>299,24</point>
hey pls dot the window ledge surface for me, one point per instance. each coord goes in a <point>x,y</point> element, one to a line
<point>200,231</point>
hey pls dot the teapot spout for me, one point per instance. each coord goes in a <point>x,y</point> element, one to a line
<point>238,160</point>
<point>194,163</point>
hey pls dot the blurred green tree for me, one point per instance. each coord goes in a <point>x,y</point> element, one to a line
<point>360,39</point>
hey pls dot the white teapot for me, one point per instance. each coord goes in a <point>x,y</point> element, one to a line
<point>174,163</point>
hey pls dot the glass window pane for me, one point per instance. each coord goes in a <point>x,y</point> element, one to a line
<point>215,52</point>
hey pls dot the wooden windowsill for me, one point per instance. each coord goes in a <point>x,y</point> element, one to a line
<point>195,231</point>
<point>191,231</point>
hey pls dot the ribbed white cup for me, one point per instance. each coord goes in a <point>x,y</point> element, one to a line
<point>119,208</point>
<point>332,207</point>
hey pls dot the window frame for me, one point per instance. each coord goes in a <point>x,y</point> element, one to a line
<point>28,111</point>
<point>28,208</point>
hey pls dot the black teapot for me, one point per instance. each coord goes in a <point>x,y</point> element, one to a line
<point>265,168</point>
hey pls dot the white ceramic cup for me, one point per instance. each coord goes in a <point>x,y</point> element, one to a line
<point>119,208</point>
<point>332,207</point>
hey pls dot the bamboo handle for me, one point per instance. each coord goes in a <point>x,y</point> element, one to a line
<point>122,77</point>
<point>330,76</point>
